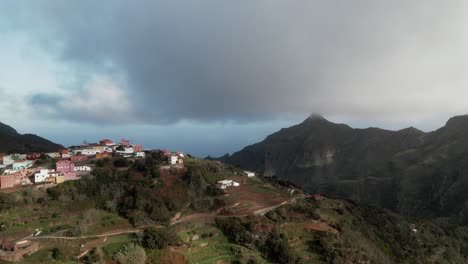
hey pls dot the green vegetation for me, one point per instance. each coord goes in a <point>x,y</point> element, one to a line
<point>307,231</point>
<point>130,254</point>
<point>246,232</point>
<point>159,238</point>
<point>209,245</point>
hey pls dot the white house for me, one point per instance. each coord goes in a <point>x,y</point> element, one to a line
<point>53,154</point>
<point>126,151</point>
<point>8,160</point>
<point>140,154</point>
<point>82,168</point>
<point>89,152</point>
<point>224,184</point>
<point>41,175</point>
<point>172,159</point>
<point>250,174</point>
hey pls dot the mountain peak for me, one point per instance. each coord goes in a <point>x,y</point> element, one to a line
<point>12,141</point>
<point>315,117</point>
<point>457,121</point>
<point>6,129</point>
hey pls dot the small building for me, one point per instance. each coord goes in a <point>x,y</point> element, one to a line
<point>41,175</point>
<point>106,142</point>
<point>20,177</point>
<point>125,151</point>
<point>172,160</point>
<point>22,164</point>
<point>125,142</point>
<point>65,166</point>
<point>8,160</point>
<point>89,151</point>
<point>140,154</point>
<point>57,179</point>
<point>82,168</point>
<point>53,155</point>
<point>137,148</point>
<point>77,158</point>
<point>7,181</point>
<point>250,174</point>
<point>33,156</point>
<point>224,184</point>
<point>65,153</point>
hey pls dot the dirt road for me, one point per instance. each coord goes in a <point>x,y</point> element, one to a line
<point>261,211</point>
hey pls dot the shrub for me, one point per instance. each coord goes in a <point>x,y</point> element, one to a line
<point>121,162</point>
<point>130,254</point>
<point>159,238</point>
<point>57,254</point>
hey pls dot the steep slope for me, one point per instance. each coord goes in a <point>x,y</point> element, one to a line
<point>11,141</point>
<point>407,170</point>
<point>336,231</point>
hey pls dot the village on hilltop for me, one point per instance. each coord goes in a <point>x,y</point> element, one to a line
<point>42,170</point>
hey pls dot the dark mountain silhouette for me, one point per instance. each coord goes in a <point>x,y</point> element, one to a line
<point>13,142</point>
<point>409,171</point>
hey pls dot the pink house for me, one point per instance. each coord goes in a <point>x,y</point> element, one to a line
<point>7,181</point>
<point>125,142</point>
<point>137,148</point>
<point>65,166</point>
<point>21,177</point>
<point>69,176</point>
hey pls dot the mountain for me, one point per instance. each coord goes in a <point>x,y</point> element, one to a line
<point>409,171</point>
<point>13,142</point>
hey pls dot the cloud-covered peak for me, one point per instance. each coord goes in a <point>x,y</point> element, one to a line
<point>243,61</point>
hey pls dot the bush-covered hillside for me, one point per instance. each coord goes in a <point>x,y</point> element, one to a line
<point>333,231</point>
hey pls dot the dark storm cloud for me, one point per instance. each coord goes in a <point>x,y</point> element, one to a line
<point>249,60</point>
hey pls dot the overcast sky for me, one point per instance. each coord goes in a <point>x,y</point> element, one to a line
<point>210,77</point>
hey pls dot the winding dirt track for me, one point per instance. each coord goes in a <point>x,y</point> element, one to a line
<point>261,211</point>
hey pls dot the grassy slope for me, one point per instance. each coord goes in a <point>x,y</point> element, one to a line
<point>328,231</point>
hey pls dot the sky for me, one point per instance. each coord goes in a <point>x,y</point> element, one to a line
<point>209,77</point>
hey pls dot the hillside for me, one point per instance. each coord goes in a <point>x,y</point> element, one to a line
<point>409,171</point>
<point>13,142</point>
<point>143,212</point>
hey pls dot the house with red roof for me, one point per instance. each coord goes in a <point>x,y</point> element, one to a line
<point>125,142</point>
<point>77,158</point>
<point>106,142</point>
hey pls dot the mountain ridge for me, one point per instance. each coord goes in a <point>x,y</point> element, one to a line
<point>408,170</point>
<point>11,141</point>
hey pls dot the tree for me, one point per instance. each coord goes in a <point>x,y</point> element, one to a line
<point>57,254</point>
<point>159,238</point>
<point>130,254</point>
<point>121,162</point>
<point>120,148</point>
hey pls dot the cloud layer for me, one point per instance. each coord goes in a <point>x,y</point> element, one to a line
<point>166,61</point>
